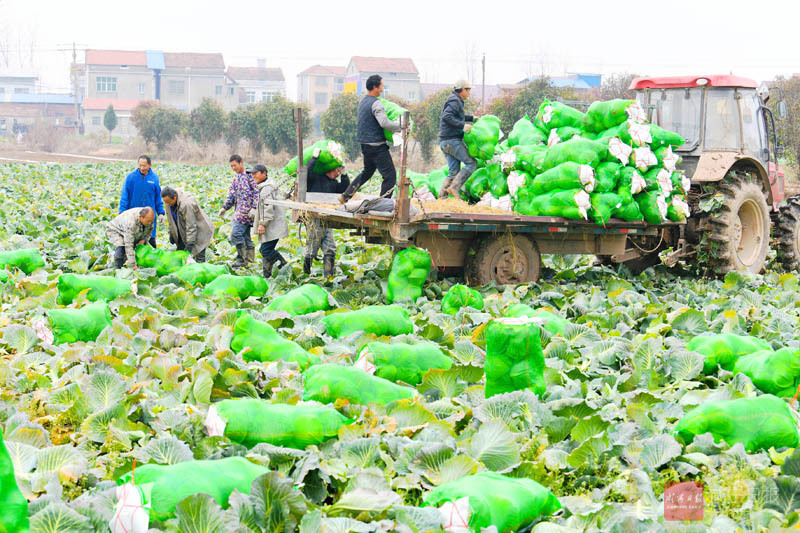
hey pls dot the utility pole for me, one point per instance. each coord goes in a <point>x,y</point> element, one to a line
<point>483,82</point>
<point>74,78</point>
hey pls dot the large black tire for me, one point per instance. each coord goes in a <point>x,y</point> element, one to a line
<point>787,234</point>
<point>505,259</point>
<point>736,236</point>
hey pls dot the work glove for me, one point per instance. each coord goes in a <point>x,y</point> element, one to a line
<point>467,127</point>
<point>160,220</point>
<point>316,152</point>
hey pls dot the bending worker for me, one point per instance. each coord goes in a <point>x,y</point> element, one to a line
<point>189,227</point>
<point>128,230</point>
<point>453,124</point>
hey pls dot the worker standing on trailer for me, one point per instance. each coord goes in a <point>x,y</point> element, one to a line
<point>453,124</point>
<point>371,122</point>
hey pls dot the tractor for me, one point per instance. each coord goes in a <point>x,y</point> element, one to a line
<point>731,155</point>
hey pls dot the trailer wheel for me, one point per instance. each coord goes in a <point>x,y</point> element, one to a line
<point>787,233</point>
<point>506,260</point>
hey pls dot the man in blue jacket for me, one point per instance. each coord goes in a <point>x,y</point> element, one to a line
<point>453,124</point>
<point>142,189</point>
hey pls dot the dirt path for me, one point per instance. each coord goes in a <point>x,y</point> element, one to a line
<point>15,154</point>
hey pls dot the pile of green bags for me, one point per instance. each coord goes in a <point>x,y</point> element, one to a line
<point>305,299</point>
<point>75,325</point>
<point>514,358</point>
<point>410,268</point>
<point>250,421</point>
<point>723,349</point>
<point>608,163</point>
<point>240,286</point>
<point>327,383</point>
<point>775,372</point>
<point>26,259</point>
<point>330,157</point>
<point>427,186</point>
<point>266,344</point>
<point>105,288</point>
<point>507,503</point>
<point>164,261</point>
<point>200,273</point>
<point>164,486</point>
<point>13,505</point>
<point>552,322</point>
<point>758,423</point>
<point>400,361</point>
<point>459,296</point>
<point>378,319</point>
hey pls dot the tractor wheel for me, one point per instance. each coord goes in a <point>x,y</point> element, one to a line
<point>505,259</point>
<point>787,233</point>
<point>736,236</point>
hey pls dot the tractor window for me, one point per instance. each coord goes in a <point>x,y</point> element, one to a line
<point>722,120</point>
<point>752,126</point>
<point>679,111</point>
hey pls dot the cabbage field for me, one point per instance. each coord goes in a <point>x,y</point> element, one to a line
<point>618,378</point>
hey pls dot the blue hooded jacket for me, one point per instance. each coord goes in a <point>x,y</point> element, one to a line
<point>142,191</point>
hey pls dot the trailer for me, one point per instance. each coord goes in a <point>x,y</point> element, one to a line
<point>504,248</point>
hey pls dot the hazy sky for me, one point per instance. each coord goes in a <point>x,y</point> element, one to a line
<point>755,39</point>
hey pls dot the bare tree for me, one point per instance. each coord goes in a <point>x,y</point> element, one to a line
<point>616,86</point>
<point>471,60</point>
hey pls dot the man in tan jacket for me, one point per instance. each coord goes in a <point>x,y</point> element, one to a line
<point>189,227</point>
<point>128,230</point>
<point>270,220</point>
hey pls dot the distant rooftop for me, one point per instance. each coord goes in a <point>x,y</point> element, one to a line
<point>154,59</point>
<point>385,64</point>
<point>38,98</point>
<point>324,70</point>
<point>120,104</point>
<point>255,73</point>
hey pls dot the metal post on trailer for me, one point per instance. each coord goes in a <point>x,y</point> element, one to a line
<point>302,175</point>
<point>403,201</point>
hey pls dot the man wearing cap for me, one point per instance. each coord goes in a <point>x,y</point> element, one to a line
<point>269,220</point>
<point>453,124</point>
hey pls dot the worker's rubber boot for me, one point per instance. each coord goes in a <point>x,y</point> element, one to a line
<point>455,186</point>
<point>307,265</point>
<point>266,265</point>
<point>250,255</point>
<point>281,260</point>
<point>445,185</point>
<point>347,194</point>
<point>328,261</point>
<point>241,256</point>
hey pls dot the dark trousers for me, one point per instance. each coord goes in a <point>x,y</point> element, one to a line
<point>268,249</point>
<point>199,257</point>
<point>120,257</point>
<point>152,242</point>
<point>377,157</point>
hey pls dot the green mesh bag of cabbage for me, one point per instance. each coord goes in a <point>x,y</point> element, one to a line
<point>557,115</point>
<point>758,423</point>
<point>249,421</point>
<point>4,276</point>
<point>606,176</point>
<point>266,344</point>
<point>75,325</point>
<point>394,112</point>
<point>459,296</point>
<point>573,204</point>
<point>200,273</point>
<point>330,157</point>
<point>164,486</point>
<point>164,261</point>
<point>514,359</point>
<point>489,499</point>
<point>482,139</point>
<point>104,288</point>
<point>528,157</point>
<point>308,298</point>
<point>550,321</point>
<point>13,505</point>
<point>378,319</point>
<point>605,115</point>
<point>653,206</point>
<point>775,372</point>
<point>327,383</point>
<point>400,361</point>
<point>576,150</point>
<point>565,176</point>
<point>525,133</point>
<point>723,349</point>
<point>26,259</point>
<point>410,268</point>
<point>240,286</point>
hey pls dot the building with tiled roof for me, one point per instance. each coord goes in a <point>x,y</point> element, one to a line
<point>95,108</point>
<point>400,76</point>
<point>317,86</point>
<point>258,84</point>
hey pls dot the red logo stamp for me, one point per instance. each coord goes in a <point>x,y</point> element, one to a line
<point>683,501</point>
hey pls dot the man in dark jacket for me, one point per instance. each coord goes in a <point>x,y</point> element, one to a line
<point>452,126</point>
<point>371,122</point>
<point>142,189</point>
<point>334,181</point>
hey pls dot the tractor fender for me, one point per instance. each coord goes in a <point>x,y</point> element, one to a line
<point>713,166</point>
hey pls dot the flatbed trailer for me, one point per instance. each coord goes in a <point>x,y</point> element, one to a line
<point>504,248</point>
